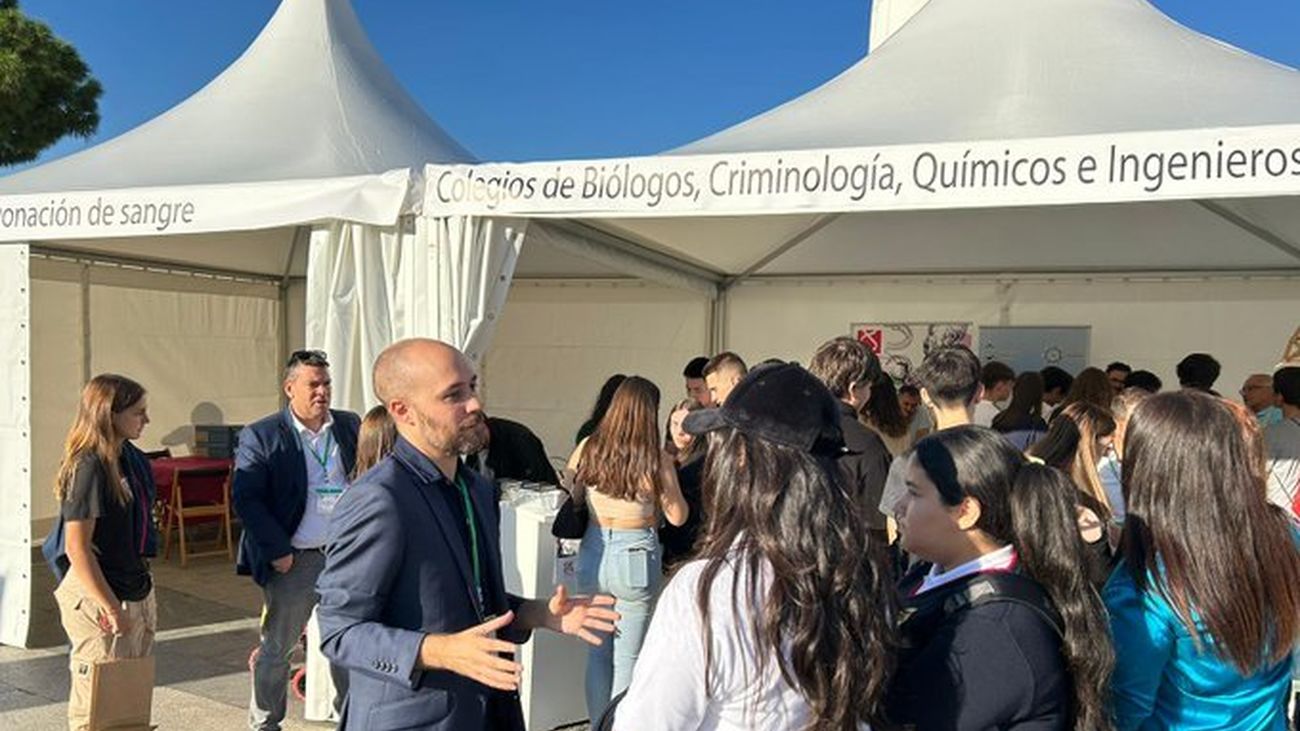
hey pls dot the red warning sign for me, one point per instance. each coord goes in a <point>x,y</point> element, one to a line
<point>873,338</point>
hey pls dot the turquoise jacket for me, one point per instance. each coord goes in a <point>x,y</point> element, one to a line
<point>1162,681</point>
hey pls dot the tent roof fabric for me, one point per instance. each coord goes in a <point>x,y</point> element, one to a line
<point>310,98</point>
<point>1013,69</point>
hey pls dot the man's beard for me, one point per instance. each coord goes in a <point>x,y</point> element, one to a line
<point>470,436</point>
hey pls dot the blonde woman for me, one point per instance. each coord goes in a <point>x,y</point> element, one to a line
<point>106,597</point>
<point>1075,441</point>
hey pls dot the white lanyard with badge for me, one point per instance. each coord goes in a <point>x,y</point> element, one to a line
<point>328,494</point>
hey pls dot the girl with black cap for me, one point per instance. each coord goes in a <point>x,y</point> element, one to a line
<point>782,621</point>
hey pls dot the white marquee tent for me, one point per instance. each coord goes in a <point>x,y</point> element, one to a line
<point>1055,162</point>
<point>297,157</point>
<point>767,257</point>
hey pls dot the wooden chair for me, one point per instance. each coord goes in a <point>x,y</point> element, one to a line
<point>199,495</point>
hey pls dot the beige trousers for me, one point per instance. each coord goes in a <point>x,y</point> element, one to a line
<point>80,617</point>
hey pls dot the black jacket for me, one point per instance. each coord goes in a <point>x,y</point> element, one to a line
<point>679,541</point>
<point>996,665</point>
<point>865,466</point>
<point>515,453</point>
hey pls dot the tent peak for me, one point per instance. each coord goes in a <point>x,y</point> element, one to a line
<point>309,98</point>
<point>1010,69</point>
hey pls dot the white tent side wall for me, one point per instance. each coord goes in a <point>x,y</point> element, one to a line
<point>205,349</point>
<point>557,342</point>
<point>15,446</point>
<point>1148,322</point>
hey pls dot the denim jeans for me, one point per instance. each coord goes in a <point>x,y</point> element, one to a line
<point>628,565</point>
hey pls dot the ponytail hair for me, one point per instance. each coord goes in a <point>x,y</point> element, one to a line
<point>1032,507</point>
<point>1045,519</point>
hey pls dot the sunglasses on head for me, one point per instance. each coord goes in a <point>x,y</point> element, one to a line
<point>306,356</point>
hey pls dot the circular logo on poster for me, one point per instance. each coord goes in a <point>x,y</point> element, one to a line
<point>1053,355</point>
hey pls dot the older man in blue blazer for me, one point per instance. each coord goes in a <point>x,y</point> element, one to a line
<point>291,468</point>
<point>412,598</point>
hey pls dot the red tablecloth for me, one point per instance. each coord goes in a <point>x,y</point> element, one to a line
<point>164,469</point>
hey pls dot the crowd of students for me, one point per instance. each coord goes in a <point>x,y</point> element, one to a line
<point>1092,553</point>
<point>797,548</point>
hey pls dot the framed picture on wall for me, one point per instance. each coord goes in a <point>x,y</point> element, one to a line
<point>901,346</point>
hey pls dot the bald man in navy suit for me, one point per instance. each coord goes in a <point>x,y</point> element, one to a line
<point>412,599</point>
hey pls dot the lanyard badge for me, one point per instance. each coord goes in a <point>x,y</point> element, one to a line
<point>473,539</point>
<point>327,495</point>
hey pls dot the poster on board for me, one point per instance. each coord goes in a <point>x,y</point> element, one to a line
<point>901,346</point>
<point>1028,348</point>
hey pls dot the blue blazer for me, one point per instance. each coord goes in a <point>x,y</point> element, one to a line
<point>396,569</point>
<point>269,488</point>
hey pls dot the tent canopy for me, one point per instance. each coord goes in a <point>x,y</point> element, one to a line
<point>1026,76</point>
<point>1017,69</point>
<point>310,98</point>
<point>308,125</point>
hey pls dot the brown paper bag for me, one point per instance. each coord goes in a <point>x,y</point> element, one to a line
<point>121,694</point>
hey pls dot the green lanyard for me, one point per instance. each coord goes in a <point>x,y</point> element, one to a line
<point>473,538</point>
<point>323,458</point>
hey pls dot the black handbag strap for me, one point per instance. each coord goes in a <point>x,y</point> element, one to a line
<point>606,720</point>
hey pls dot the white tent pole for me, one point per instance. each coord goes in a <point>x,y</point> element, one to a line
<point>129,262</point>
<point>645,258</point>
<point>1254,229</point>
<point>301,235</point>
<point>16,564</point>
<point>821,222</point>
<point>85,322</point>
<point>887,16</point>
<point>718,321</point>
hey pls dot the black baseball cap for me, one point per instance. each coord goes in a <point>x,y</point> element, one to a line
<point>782,403</point>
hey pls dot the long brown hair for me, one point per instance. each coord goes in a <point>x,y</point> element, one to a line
<point>1026,403</point>
<point>1070,445</point>
<point>375,439</point>
<point>93,432</point>
<point>1200,529</point>
<point>1091,386</point>
<point>623,457</point>
<point>781,516</point>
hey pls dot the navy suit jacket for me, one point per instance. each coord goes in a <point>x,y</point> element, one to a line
<point>396,569</point>
<point>269,488</point>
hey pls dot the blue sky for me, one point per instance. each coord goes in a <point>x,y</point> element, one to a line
<point>530,79</point>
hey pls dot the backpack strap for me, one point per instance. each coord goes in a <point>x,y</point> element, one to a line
<point>1004,587</point>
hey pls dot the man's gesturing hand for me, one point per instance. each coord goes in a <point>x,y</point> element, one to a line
<point>475,654</point>
<point>582,616</point>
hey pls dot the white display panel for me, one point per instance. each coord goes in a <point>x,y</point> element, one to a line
<point>1034,348</point>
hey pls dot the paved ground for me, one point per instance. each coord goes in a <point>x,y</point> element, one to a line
<point>207,621</point>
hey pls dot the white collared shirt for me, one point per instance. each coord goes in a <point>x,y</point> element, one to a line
<point>1003,559</point>
<point>325,482</point>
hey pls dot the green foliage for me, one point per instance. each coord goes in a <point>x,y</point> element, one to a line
<point>46,90</point>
